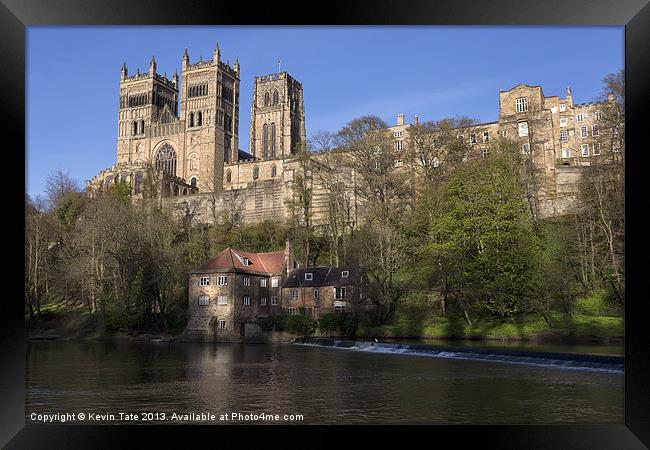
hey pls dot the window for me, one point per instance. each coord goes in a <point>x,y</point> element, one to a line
<point>247,281</point>
<point>222,324</point>
<point>399,145</point>
<point>472,138</point>
<point>274,281</point>
<point>204,281</point>
<point>563,122</point>
<point>566,153</point>
<point>521,104</point>
<point>598,115</point>
<point>580,117</point>
<point>228,176</point>
<point>525,148</point>
<point>315,293</point>
<point>246,261</point>
<point>345,274</point>
<point>222,280</point>
<point>193,182</point>
<point>191,120</point>
<point>293,294</point>
<point>583,132</point>
<point>274,171</point>
<point>265,140</point>
<point>523,129</point>
<point>256,173</point>
<point>309,276</point>
<point>504,133</point>
<point>292,311</point>
<point>436,162</point>
<point>273,139</point>
<point>398,134</point>
<point>562,107</point>
<point>222,300</point>
<point>594,131</point>
<point>485,152</point>
<point>267,99</point>
<point>247,300</point>
<point>262,282</point>
<point>204,300</point>
<point>486,136</point>
<point>263,301</point>
<point>596,149</point>
<point>584,149</point>
<point>274,301</point>
<point>339,309</point>
<point>339,293</point>
<point>564,136</point>
<point>276,98</point>
<point>199,119</point>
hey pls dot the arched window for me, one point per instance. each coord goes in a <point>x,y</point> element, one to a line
<point>274,170</point>
<point>138,182</point>
<point>142,127</point>
<point>175,190</point>
<point>166,159</point>
<point>273,139</point>
<point>276,98</point>
<point>199,119</point>
<point>191,120</point>
<point>184,191</point>
<point>265,141</point>
<point>193,182</point>
<point>267,99</point>
<point>256,173</point>
<point>134,130</point>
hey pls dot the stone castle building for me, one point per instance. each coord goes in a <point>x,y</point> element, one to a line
<point>186,129</point>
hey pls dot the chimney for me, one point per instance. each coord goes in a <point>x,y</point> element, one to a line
<point>400,119</point>
<point>289,258</point>
<point>415,120</point>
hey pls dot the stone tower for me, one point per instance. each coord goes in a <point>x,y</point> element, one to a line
<point>277,117</point>
<point>209,109</point>
<point>144,98</point>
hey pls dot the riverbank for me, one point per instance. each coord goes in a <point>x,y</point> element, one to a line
<point>576,329</point>
<point>579,328</point>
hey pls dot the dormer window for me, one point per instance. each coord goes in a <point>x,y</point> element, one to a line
<point>345,274</point>
<point>246,261</point>
<point>309,276</point>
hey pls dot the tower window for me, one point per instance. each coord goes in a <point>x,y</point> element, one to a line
<point>276,98</point>
<point>523,129</point>
<point>274,171</point>
<point>265,140</point>
<point>191,120</point>
<point>193,182</point>
<point>166,159</point>
<point>256,173</point>
<point>521,104</point>
<point>267,99</point>
<point>199,119</point>
<point>272,139</point>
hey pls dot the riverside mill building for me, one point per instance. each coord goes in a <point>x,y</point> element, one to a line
<point>183,132</point>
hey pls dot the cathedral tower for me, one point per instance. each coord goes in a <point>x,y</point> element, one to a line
<point>144,98</point>
<point>209,108</point>
<point>277,117</point>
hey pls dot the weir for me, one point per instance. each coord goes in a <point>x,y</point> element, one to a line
<point>573,361</point>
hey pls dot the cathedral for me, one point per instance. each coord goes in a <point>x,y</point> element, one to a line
<point>184,133</point>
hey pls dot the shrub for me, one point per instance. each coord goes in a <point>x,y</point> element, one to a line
<point>300,325</point>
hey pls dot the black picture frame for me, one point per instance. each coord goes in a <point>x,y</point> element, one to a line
<point>16,15</point>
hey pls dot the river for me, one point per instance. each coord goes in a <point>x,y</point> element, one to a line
<point>324,385</point>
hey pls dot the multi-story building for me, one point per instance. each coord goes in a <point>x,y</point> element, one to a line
<point>187,130</point>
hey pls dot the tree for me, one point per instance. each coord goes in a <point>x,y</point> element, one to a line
<point>483,244</point>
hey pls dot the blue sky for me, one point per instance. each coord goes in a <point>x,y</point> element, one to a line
<point>435,72</point>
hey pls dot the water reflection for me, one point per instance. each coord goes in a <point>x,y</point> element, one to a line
<point>325,385</point>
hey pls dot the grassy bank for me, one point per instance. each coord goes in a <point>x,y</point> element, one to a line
<point>524,327</point>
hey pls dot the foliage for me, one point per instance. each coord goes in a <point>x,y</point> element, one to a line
<point>300,325</point>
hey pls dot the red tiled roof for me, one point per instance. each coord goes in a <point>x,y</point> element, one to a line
<point>231,259</point>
